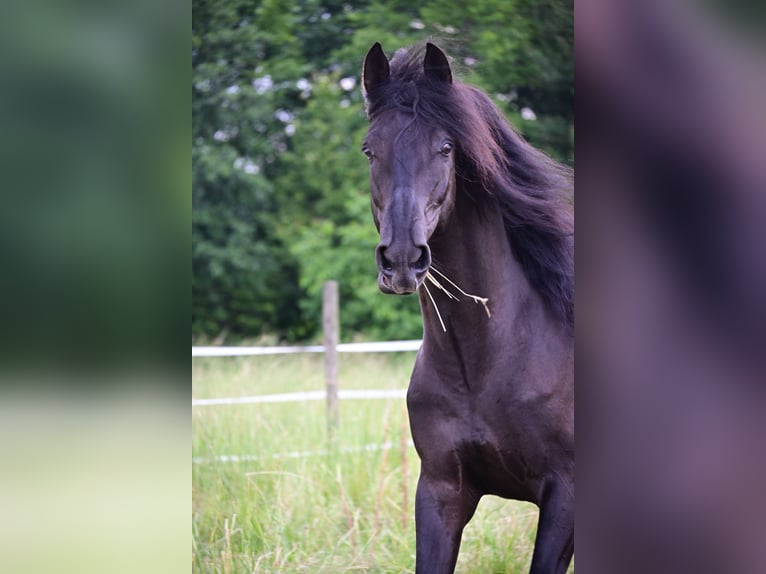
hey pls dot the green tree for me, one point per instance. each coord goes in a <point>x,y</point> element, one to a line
<point>243,280</point>
<point>522,53</point>
<point>280,188</point>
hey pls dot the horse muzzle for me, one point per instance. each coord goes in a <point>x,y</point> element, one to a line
<point>402,270</point>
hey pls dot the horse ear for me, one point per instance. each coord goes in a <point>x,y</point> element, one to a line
<point>375,70</point>
<point>436,65</point>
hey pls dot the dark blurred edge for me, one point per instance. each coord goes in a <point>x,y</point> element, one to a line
<point>671,283</point>
<point>95,214</point>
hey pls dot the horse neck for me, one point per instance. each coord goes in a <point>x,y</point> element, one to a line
<point>473,250</point>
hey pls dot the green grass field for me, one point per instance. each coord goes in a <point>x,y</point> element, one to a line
<point>305,503</point>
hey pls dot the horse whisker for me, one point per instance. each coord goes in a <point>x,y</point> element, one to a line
<point>431,297</point>
<point>483,300</point>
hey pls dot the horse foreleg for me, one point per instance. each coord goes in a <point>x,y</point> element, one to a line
<point>554,543</point>
<point>442,510</point>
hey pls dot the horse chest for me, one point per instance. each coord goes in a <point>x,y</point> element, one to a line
<point>481,438</point>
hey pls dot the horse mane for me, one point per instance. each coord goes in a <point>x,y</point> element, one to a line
<point>531,189</point>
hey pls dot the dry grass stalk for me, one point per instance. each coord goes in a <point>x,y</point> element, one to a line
<point>383,463</point>
<point>344,504</point>
<point>476,299</point>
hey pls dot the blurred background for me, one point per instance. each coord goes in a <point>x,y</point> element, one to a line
<point>94,202</point>
<point>94,253</point>
<point>280,188</point>
<point>671,276</point>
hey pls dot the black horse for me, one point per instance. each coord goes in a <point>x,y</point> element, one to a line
<point>477,222</point>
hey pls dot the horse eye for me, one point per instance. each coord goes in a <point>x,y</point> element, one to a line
<point>446,148</point>
<point>368,152</point>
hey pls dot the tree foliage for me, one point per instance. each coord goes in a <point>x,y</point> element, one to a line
<point>280,191</point>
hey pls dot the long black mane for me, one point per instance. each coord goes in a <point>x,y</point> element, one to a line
<point>531,188</point>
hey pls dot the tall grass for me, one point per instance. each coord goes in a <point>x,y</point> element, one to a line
<point>302,502</point>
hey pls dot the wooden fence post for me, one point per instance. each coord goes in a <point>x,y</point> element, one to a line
<point>331,329</point>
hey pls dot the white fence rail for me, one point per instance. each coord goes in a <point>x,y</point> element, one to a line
<point>379,347</point>
<point>304,396</point>
<point>376,347</point>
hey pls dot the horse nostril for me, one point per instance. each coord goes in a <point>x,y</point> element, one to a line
<point>384,264</point>
<point>424,261</point>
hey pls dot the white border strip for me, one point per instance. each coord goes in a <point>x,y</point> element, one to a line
<point>378,347</point>
<point>305,396</point>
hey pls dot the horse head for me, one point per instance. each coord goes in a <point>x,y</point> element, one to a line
<point>412,167</point>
